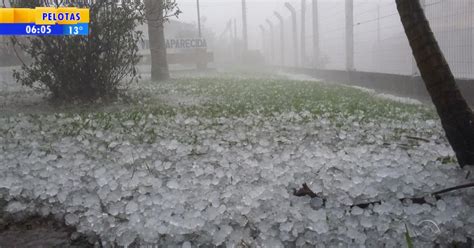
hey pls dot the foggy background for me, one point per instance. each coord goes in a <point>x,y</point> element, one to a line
<point>380,44</point>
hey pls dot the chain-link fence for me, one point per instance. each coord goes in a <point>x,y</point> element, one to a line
<point>380,44</point>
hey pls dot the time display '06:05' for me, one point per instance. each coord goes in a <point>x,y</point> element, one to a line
<point>38,29</point>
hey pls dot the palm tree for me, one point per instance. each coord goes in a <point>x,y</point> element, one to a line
<point>456,116</point>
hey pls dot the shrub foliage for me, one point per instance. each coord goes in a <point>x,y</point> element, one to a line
<point>87,67</point>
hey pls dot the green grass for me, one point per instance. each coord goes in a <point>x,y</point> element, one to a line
<point>240,94</point>
<point>232,96</point>
<point>408,238</point>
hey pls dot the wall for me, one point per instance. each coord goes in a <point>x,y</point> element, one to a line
<point>400,85</point>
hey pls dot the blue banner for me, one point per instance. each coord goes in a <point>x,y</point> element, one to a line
<point>43,30</point>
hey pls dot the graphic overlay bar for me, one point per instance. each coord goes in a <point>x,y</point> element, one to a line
<point>43,21</point>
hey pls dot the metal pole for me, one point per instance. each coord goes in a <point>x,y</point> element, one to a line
<point>316,34</point>
<point>236,40</point>
<point>378,66</point>
<point>262,28</point>
<point>235,29</point>
<point>231,38</point>
<point>349,35</point>
<point>244,25</point>
<point>230,27</point>
<point>303,32</point>
<point>199,18</point>
<point>282,37</point>
<point>295,31</point>
<point>272,40</point>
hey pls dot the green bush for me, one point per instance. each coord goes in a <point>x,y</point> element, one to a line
<point>87,67</point>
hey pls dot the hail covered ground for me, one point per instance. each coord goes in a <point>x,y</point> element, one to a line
<point>213,160</point>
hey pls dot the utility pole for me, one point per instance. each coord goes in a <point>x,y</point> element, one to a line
<point>199,18</point>
<point>349,35</point>
<point>316,50</point>
<point>295,32</point>
<point>282,37</point>
<point>235,29</point>
<point>236,40</point>
<point>262,29</point>
<point>303,32</point>
<point>378,66</point>
<point>244,25</point>
<point>272,40</point>
<point>231,38</point>
<point>230,27</point>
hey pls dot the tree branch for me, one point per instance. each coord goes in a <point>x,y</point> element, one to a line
<point>306,191</point>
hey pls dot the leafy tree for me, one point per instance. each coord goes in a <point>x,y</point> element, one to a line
<point>157,12</point>
<point>456,116</point>
<point>86,67</point>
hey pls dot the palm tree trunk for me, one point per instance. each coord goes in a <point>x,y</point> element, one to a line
<point>156,33</point>
<point>456,116</point>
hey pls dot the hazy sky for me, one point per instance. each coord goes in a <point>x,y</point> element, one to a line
<point>217,12</point>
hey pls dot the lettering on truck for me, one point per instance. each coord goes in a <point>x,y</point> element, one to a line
<point>185,43</point>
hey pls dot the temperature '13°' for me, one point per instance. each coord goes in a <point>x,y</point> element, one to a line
<point>75,30</point>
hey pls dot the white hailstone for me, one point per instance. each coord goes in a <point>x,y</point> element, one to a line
<point>441,205</point>
<point>113,185</point>
<point>316,215</point>
<point>286,227</point>
<point>45,211</point>
<point>113,144</point>
<point>71,219</point>
<point>15,207</point>
<point>99,134</point>
<point>366,222</point>
<point>102,181</point>
<point>51,157</point>
<point>222,234</point>
<point>241,189</point>
<point>128,123</point>
<point>316,203</point>
<point>62,196</point>
<point>186,244</point>
<point>172,184</point>
<point>357,211</point>
<point>126,238</point>
<point>51,190</point>
<point>131,207</point>
<point>264,142</point>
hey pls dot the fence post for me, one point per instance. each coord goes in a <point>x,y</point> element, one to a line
<point>272,40</point>
<point>316,50</point>
<point>303,33</point>
<point>199,18</point>
<point>282,37</point>
<point>231,38</point>
<point>236,40</point>
<point>295,31</point>
<point>262,29</point>
<point>244,25</point>
<point>349,35</point>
